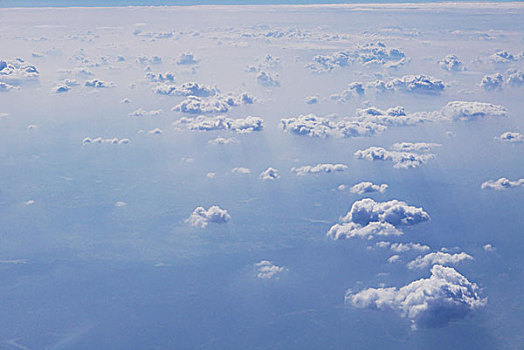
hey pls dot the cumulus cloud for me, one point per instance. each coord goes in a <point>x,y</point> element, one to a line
<point>368,187</point>
<point>492,82</point>
<point>186,58</point>
<point>515,79</point>
<point>319,168</point>
<point>504,57</point>
<point>223,141</point>
<point>451,63</point>
<point>216,104</point>
<point>202,217</point>
<point>99,84</point>
<point>186,89</point>
<point>143,113</point>
<point>439,258</point>
<point>17,72</point>
<point>267,270</point>
<point>269,174</point>
<point>353,89</point>
<point>502,184</point>
<point>267,79</point>
<point>431,302</point>
<point>395,116</point>
<point>65,85</point>
<point>100,140</point>
<point>400,158</point>
<point>311,100</point>
<point>468,111</point>
<point>241,170</point>
<point>510,137</point>
<point>167,77</point>
<point>420,147</point>
<point>488,248</point>
<point>367,54</point>
<point>313,126</point>
<point>206,123</point>
<point>419,83</point>
<point>7,87</point>
<point>406,247</point>
<point>368,218</point>
<point>149,60</point>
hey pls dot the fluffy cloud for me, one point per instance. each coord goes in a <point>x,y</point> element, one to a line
<point>267,79</point>
<point>223,141</point>
<point>241,170</point>
<point>99,84</point>
<point>504,57</point>
<point>7,87</point>
<point>395,116</point>
<point>451,63</point>
<point>100,140</point>
<point>319,168</point>
<point>64,85</point>
<point>502,184</point>
<point>269,174</point>
<point>368,187</point>
<point>266,62</point>
<point>205,123</point>
<point>406,247</point>
<point>186,89</point>
<point>492,82</point>
<point>515,79</point>
<point>432,302</point>
<point>149,60</point>
<point>367,54</point>
<point>167,77</point>
<point>353,89</point>
<point>311,100</point>
<point>202,217</point>
<point>216,104</point>
<point>420,147</point>
<point>186,58</point>
<point>267,270</point>
<point>439,258</point>
<point>17,72</point>
<point>400,158</point>
<point>510,137</point>
<point>468,111</point>
<point>314,126</point>
<point>143,113</point>
<point>368,218</point>
<point>419,83</point>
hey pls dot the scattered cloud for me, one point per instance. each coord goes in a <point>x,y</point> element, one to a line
<point>99,84</point>
<point>206,123</point>
<point>311,100</point>
<point>100,140</point>
<point>502,184</point>
<point>488,248</point>
<point>241,170</point>
<point>167,77</point>
<point>319,168</point>
<point>368,187</point>
<point>267,79</point>
<point>451,63</point>
<point>504,57</point>
<point>492,82</point>
<point>469,111</point>
<point>223,141</point>
<point>140,113</point>
<point>269,174</point>
<point>186,58</point>
<point>510,137</point>
<point>17,72</point>
<point>439,258</point>
<point>202,217</point>
<point>400,158</point>
<point>217,104</point>
<point>419,83</point>
<point>353,89</point>
<point>186,89</point>
<point>267,270</point>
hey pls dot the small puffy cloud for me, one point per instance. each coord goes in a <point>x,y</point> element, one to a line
<point>432,302</point>
<point>167,77</point>
<point>419,83</point>
<point>400,159</point>
<point>468,111</point>
<point>267,270</point>
<point>267,79</point>
<point>202,217</point>
<point>17,72</point>
<point>319,168</point>
<point>223,141</point>
<point>99,84</point>
<point>313,126</point>
<point>406,247</point>
<point>439,258</point>
<point>368,218</point>
<point>488,248</point>
<point>269,174</point>
<point>120,204</point>
<point>241,170</point>
<point>502,184</point>
<point>451,63</point>
<point>216,104</point>
<point>186,89</point>
<point>504,57</point>
<point>492,82</point>
<point>125,100</point>
<point>29,202</point>
<point>510,137</point>
<point>155,131</point>
<point>139,113</point>
<point>266,62</point>
<point>144,60</point>
<point>211,175</point>
<point>7,87</point>
<point>368,187</point>
<point>394,258</point>
<point>395,116</point>
<point>206,123</point>
<point>100,140</point>
<point>311,100</point>
<point>353,89</point>
<point>186,58</point>
<point>420,147</point>
<point>65,85</point>
<point>515,79</point>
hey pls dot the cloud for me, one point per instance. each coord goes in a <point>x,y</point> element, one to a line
<point>17,72</point>
<point>95,83</point>
<point>205,123</point>
<point>202,217</point>
<point>353,89</point>
<point>65,85</point>
<point>492,82</point>
<point>510,137</point>
<point>451,63</point>
<point>311,100</point>
<point>186,58</point>
<point>468,111</point>
<point>488,248</point>
<point>217,104</point>
<point>393,259</point>
<point>267,270</point>
<point>504,57</point>
<point>149,60</point>
<point>266,62</point>
<point>502,184</point>
<point>319,168</point>
<point>223,141</point>
<point>269,174</point>
<point>186,89</point>
<point>139,113</point>
<point>155,131</point>
<point>367,54</point>
<point>406,247</point>
<point>100,140</point>
<point>7,87</point>
<point>313,126</point>
<point>211,175</point>
<point>267,79</point>
<point>167,77</point>
<point>241,170</point>
<point>515,79</point>
<point>432,302</point>
<point>419,147</point>
<point>368,218</point>
<point>439,258</point>
<point>395,116</point>
<point>419,83</point>
<point>400,159</point>
<point>368,187</point>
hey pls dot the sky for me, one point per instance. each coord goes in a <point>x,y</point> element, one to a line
<point>262,177</point>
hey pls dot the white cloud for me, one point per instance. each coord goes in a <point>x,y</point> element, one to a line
<point>17,72</point>
<point>468,111</point>
<point>100,140</point>
<point>267,79</point>
<point>160,77</point>
<point>439,258</point>
<point>515,79</point>
<point>368,218</point>
<point>353,89</point>
<point>120,204</point>
<point>419,147</point>
<point>186,89</point>
<point>241,170</point>
<point>149,60</point>
<point>143,113</point>
<point>313,126</point>
<point>267,270</point>
<point>488,248</point>
<point>502,184</point>
<point>394,258</point>
<point>419,83</point>
<point>368,187</point>
<point>395,116</point>
<point>510,137</point>
<point>205,123</point>
<point>7,87</point>
<point>492,82</point>
<point>95,83</point>
<point>451,63</point>
<point>186,58</point>
<point>266,62</point>
<point>400,159</point>
<point>269,174</point>
<point>311,100</point>
<point>223,141</point>
<point>202,217</point>
<point>155,131</point>
<point>216,104</point>
<point>432,302</point>
<point>406,247</point>
<point>65,85</point>
<point>211,175</point>
<point>319,168</point>
<point>504,57</point>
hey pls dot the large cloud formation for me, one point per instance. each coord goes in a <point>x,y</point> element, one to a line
<point>202,217</point>
<point>206,123</point>
<point>502,184</point>
<point>319,168</point>
<point>440,258</point>
<point>431,302</point>
<point>403,155</point>
<point>368,218</point>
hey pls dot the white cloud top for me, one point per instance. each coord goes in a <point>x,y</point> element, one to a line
<point>269,174</point>
<point>440,258</point>
<point>510,137</point>
<point>202,217</point>
<point>502,184</point>
<point>319,168</point>
<point>368,187</point>
<point>267,270</point>
<point>205,123</point>
<point>401,159</point>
